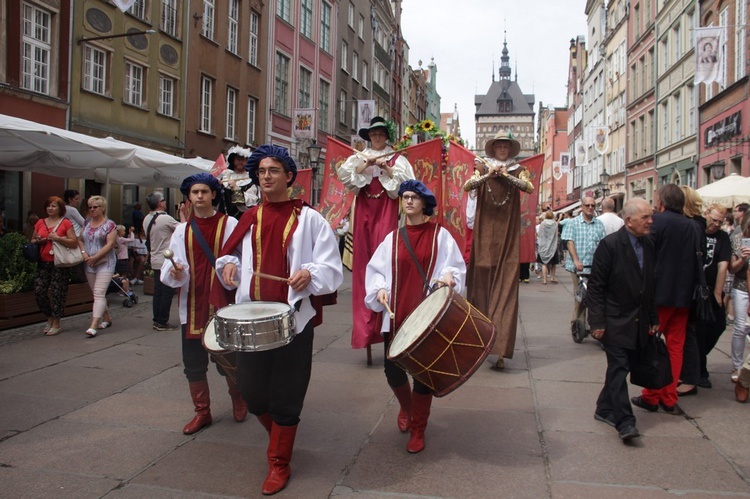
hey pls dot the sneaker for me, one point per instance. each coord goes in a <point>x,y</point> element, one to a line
<point>136,281</point>
<point>735,375</point>
<point>164,327</point>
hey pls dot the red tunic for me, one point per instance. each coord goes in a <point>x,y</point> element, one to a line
<point>202,274</point>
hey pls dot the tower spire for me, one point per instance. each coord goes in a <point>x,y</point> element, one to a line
<point>505,71</point>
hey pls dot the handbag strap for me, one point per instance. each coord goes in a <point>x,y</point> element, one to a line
<point>699,264</point>
<point>405,237</point>
<point>202,243</point>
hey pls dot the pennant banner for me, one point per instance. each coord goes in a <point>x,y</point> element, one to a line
<point>335,198</point>
<point>528,209</point>
<point>426,159</point>
<point>601,139</point>
<point>565,162</point>
<point>557,170</point>
<point>580,147</point>
<point>458,170</point>
<point>365,112</point>
<point>709,45</point>
<point>302,186</point>
<point>220,165</point>
<point>124,5</point>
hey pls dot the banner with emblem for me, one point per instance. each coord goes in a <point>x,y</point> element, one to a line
<point>565,162</point>
<point>426,159</point>
<point>335,198</point>
<point>365,112</point>
<point>459,168</point>
<point>528,209</point>
<point>220,165</point>
<point>600,139</point>
<point>124,5</point>
<point>303,124</point>
<point>709,45</point>
<point>580,151</point>
<point>302,186</point>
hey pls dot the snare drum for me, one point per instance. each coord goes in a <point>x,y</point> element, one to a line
<point>224,358</point>
<point>254,326</point>
<point>443,341</point>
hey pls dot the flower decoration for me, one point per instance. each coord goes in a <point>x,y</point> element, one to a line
<point>426,127</point>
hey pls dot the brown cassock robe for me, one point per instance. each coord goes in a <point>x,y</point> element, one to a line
<point>492,276</point>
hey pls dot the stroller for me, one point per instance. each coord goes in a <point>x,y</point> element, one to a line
<point>580,329</point>
<point>130,297</point>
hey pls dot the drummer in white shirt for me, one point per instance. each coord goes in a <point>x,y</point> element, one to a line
<point>401,288</point>
<point>286,238</point>
<point>610,220</point>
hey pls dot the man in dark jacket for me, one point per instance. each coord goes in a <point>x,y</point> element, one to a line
<point>622,311</point>
<point>676,241</point>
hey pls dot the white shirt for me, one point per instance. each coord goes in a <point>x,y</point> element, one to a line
<point>313,248</point>
<point>611,222</point>
<point>348,175</point>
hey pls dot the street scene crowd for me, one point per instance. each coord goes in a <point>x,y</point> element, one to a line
<point>655,285</point>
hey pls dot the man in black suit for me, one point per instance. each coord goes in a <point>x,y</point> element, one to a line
<point>676,240</point>
<point>622,311</point>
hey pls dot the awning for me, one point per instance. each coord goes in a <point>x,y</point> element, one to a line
<point>568,208</point>
<point>29,146</point>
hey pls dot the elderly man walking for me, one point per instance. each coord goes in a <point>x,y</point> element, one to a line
<point>582,235</point>
<point>610,220</point>
<point>622,311</point>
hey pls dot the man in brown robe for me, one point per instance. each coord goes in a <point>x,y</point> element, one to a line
<point>492,277</point>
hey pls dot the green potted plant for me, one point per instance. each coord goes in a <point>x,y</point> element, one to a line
<point>16,272</point>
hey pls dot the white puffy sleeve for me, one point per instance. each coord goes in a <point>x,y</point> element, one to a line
<point>379,274</point>
<point>450,260</point>
<point>471,209</point>
<point>402,171</point>
<point>348,175</point>
<point>326,270</point>
<point>177,245</point>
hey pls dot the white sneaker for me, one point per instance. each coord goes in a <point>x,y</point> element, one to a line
<point>735,375</point>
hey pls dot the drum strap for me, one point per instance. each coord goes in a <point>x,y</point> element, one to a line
<point>405,237</point>
<point>202,243</point>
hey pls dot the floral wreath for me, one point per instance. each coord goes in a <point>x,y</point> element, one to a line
<point>428,128</point>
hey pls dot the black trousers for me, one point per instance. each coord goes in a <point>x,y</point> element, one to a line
<point>195,359</point>
<point>275,381</point>
<point>162,299</point>
<point>690,374</point>
<point>614,402</point>
<point>395,375</point>
<point>524,272</point>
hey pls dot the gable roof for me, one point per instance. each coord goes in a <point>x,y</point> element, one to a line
<point>486,105</point>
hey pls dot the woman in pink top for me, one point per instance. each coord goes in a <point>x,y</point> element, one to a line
<point>50,282</point>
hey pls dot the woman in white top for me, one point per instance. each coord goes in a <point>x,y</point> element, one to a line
<point>72,200</point>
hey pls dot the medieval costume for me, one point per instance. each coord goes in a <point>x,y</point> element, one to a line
<point>194,279</point>
<point>240,191</point>
<point>376,183</point>
<point>492,277</point>
<point>393,269</point>
<point>285,238</point>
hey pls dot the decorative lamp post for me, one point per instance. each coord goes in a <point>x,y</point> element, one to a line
<point>604,177</point>
<point>313,152</point>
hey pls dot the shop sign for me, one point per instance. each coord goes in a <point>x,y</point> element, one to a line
<point>724,130</point>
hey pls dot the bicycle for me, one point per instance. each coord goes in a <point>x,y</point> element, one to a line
<point>580,329</point>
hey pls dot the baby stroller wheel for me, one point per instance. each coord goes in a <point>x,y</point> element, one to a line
<point>578,330</point>
<point>127,303</point>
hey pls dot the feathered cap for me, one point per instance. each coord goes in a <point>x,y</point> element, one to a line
<point>236,151</point>
<point>422,191</point>
<point>515,146</point>
<point>202,178</point>
<point>270,151</point>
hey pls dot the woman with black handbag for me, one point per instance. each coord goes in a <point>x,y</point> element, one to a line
<point>50,282</point>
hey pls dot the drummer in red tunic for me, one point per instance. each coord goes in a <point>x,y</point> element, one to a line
<point>194,276</point>
<point>286,238</point>
<point>374,175</point>
<point>395,280</point>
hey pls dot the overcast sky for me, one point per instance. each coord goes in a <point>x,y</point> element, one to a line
<point>467,36</point>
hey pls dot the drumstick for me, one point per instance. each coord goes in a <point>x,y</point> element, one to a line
<point>265,276</point>
<point>390,312</point>
<point>169,255</point>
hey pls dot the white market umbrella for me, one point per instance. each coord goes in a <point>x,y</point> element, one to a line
<point>729,191</point>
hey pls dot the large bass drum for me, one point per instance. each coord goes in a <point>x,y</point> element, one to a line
<point>443,341</point>
<point>254,326</point>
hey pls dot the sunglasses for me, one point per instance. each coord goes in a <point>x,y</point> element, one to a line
<point>589,205</point>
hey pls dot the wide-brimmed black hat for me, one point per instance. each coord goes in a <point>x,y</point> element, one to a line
<point>376,122</point>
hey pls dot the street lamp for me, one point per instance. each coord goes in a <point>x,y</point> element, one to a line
<point>604,177</point>
<point>82,39</point>
<point>313,152</point>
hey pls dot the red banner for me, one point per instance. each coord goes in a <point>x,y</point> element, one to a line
<point>335,199</point>
<point>459,168</point>
<point>302,186</point>
<point>426,159</point>
<point>528,209</point>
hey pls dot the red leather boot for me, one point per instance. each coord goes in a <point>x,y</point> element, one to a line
<point>279,455</point>
<point>239,408</point>
<point>420,413</point>
<point>403,395</point>
<point>266,421</point>
<point>202,402</point>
